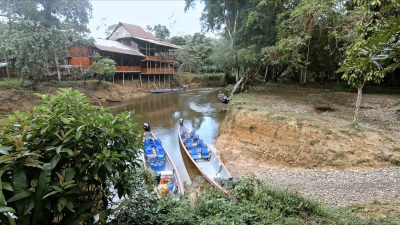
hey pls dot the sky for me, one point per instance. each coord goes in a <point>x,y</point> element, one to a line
<point>145,12</point>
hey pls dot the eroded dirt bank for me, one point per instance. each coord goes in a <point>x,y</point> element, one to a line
<point>293,137</point>
<point>21,99</point>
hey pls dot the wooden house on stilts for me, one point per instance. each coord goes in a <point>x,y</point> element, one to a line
<point>137,53</point>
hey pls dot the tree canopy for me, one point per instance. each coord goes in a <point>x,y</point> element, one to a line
<point>37,33</point>
<point>60,159</point>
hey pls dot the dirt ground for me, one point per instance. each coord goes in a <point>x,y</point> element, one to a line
<point>287,126</point>
<point>21,99</point>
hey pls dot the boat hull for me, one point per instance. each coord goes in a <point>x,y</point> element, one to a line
<point>212,169</point>
<point>169,166</point>
<point>166,90</point>
<point>223,99</point>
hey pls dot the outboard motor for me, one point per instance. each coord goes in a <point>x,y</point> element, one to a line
<point>181,122</point>
<point>146,127</point>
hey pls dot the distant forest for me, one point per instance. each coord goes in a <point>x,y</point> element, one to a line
<point>292,40</point>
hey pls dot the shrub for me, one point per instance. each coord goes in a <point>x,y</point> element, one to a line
<point>250,202</point>
<point>60,159</point>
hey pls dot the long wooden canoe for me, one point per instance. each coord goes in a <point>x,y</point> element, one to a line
<point>167,170</point>
<point>210,165</point>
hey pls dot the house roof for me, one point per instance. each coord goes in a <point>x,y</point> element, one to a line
<point>162,43</point>
<point>115,46</point>
<point>138,31</point>
<point>144,34</point>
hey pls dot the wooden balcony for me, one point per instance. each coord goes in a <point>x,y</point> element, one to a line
<point>157,71</point>
<point>121,69</point>
<point>159,59</point>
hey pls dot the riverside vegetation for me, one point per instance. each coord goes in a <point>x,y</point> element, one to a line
<point>64,161</point>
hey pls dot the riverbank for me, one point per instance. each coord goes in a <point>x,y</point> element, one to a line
<point>200,80</point>
<point>303,139</point>
<point>19,98</point>
<point>16,95</point>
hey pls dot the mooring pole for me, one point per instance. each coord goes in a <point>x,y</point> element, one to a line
<point>123,79</point>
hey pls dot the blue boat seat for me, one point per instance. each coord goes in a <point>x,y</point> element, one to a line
<point>193,150</point>
<point>205,153</point>
<point>192,133</point>
<point>195,138</point>
<point>153,159</point>
<point>200,143</point>
<point>157,141</point>
<point>189,145</point>
<point>161,154</point>
<point>183,134</point>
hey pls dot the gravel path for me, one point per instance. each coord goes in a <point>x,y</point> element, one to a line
<point>338,187</point>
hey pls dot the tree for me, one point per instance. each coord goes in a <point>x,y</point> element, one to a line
<point>110,29</point>
<point>196,52</point>
<point>39,31</point>
<point>59,160</point>
<point>364,58</point>
<point>248,26</point>
<point>221,15</point>
<point>104,67</point>
<point>160,31</point>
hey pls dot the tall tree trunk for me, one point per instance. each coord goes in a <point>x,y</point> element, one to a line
<point>58,69</point>
<point>244,82</point>
<point>8,72</point>
<point>358,103</point>
<point>273,74</point>
<point>265,76</point>
<point>239,82</point>
<point>254,75</point>
<point>303,82</point>
<point>237,70</point>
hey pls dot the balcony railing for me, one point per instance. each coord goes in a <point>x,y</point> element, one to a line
<point>160,59</point>
<point>128,68</point>
<point>157,71</point>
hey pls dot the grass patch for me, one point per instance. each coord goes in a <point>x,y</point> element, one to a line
<point>279,118</point>
<point>6,84</point>
<point>300,122</point>
<point>382,90</point>
<point>250,202</point>
<point>377,212</point>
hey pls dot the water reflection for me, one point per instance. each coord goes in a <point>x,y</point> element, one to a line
<point>163,111</point>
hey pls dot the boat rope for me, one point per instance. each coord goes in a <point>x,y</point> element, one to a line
<point>353,217</point>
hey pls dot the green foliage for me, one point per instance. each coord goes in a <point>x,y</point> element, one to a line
<point>105,68</point>
<point>37,33</point>
<point>250,202</point>
<point>60,159</point>
<point>160,31</point>
<point>195,55</point>
<point>229,88</point>
<point>6,83</point>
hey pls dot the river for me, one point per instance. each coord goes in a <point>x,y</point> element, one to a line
<point>163,111</point>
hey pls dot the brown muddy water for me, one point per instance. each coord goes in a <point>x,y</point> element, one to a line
<point>163,111</point>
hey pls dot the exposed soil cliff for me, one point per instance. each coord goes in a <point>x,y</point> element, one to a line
<point>296,127</point>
